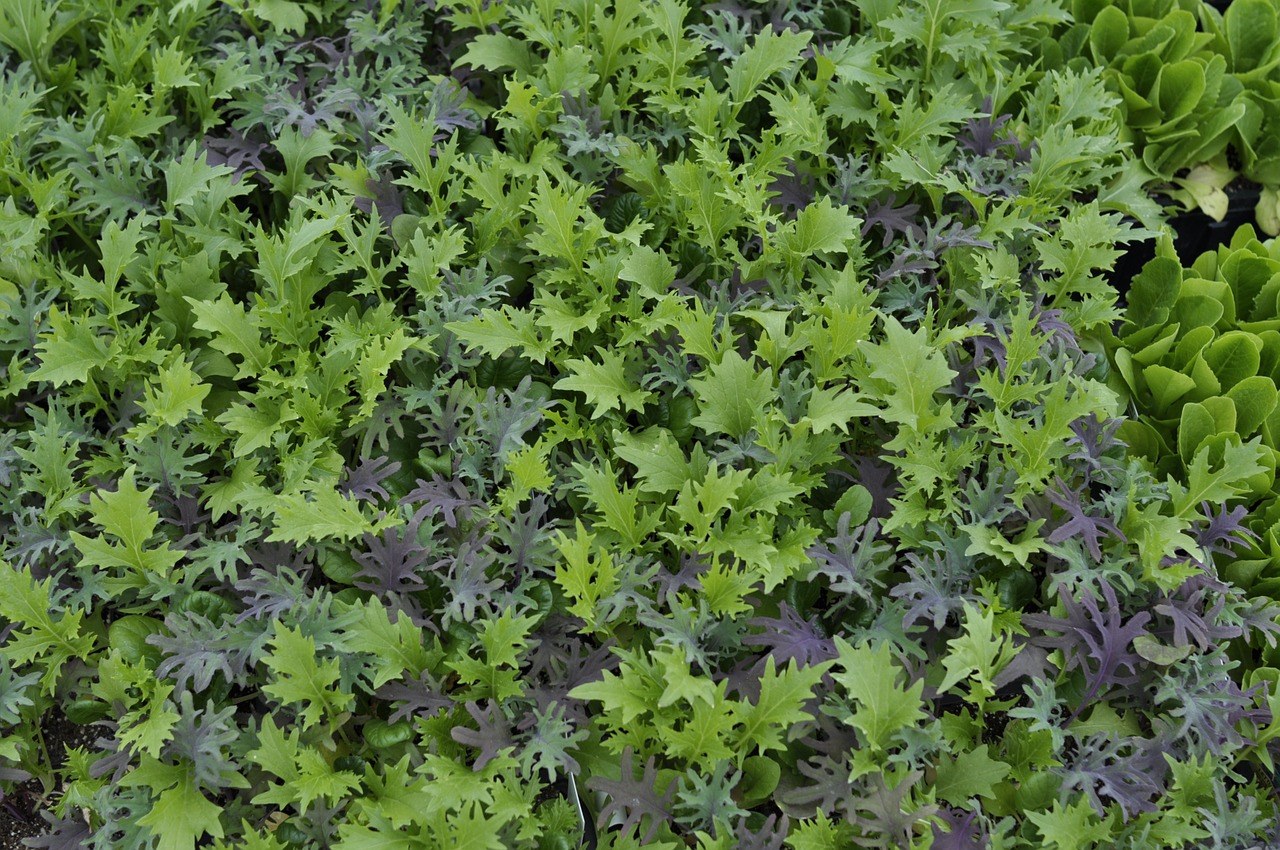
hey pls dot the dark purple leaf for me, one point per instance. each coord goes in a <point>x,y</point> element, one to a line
<point>1190,623</point>
<point>447,497</point>
<point>789,636</point>
<point>364,483</point>
<point>421,697</point>
<point>881,481</point>
<point>387,199</point>
<point>961,833</point>
<point>634,799</point>
<point>491,738</point>
<point>793,191</point>
<point>390,564</point>
<point>894,220</point>
<point>1225,530</point>
<point>1095,641</point>
<point>237,152</point>
<point>1079,524</point>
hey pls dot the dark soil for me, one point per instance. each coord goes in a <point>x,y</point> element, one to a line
<point>20,812</point>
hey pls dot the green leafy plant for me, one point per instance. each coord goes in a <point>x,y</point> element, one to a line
<point>642,424</point>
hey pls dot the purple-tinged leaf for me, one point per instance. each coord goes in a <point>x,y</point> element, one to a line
<point>387,199</point>
<point>1127,771</point>
<point>771,835</point>
<point>237,152</point>
<point>635,799</point>
<point>1258,616</point>
<point>692,566</point>
<point>792,191</point>
<point>894,220</point>
<point>204,738</point>
<point>528,537</point>
<point>421,697</point>
<point>791,637</point>
<point>1202,694</point>
<point>364,483</point>
<point>270,594</point>
<point>881,811</point>
<point>468,584</point>
<point>390,563</point>
<point>1095,641</point>
<point>66,833</point>
<point>1225,530</point>
<point>881,481</point>
<point>1079,524</point>
<point>1095,437</point>
<point>1190,623</point>
<point>853,561</point>
<point>447,497</point>
<point>552,732</point>
<point>829,792</point>
<point>962,832</point>
<point>198,649</point>
<point>934,589</point>
<point>491,738</point>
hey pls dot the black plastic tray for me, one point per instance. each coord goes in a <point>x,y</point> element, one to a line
<point>1194,233</point>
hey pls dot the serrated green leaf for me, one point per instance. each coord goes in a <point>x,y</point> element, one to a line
<point>730,394</point>
<point>605,384</point>
<point>181,815</point>
<point>323,514</point>
<point>175,394</point>
<point>870,677</point>
<point>973,773</point>
<point>1073,827</point>
<point>234,332</point>
<point>819,227</point>
<point>780,706</point>
<point>1240,462</point>
<point>39,635</point>
<point>910,372</point>
<point>300,677</point>
<point>769,53</point>
<point>69,353</point>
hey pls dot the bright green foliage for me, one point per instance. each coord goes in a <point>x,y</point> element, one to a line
<point>181,816</point>
<point>780,706</point>
<point>977,656</point>
<point>1074,827</point>
<point>871,678</point>
<point>43,633</point>
<point>1196,356</point>
<point>125,516</point>
<point>301,678</point>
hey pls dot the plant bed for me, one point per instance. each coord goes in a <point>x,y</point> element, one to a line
<point>420,419</point>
